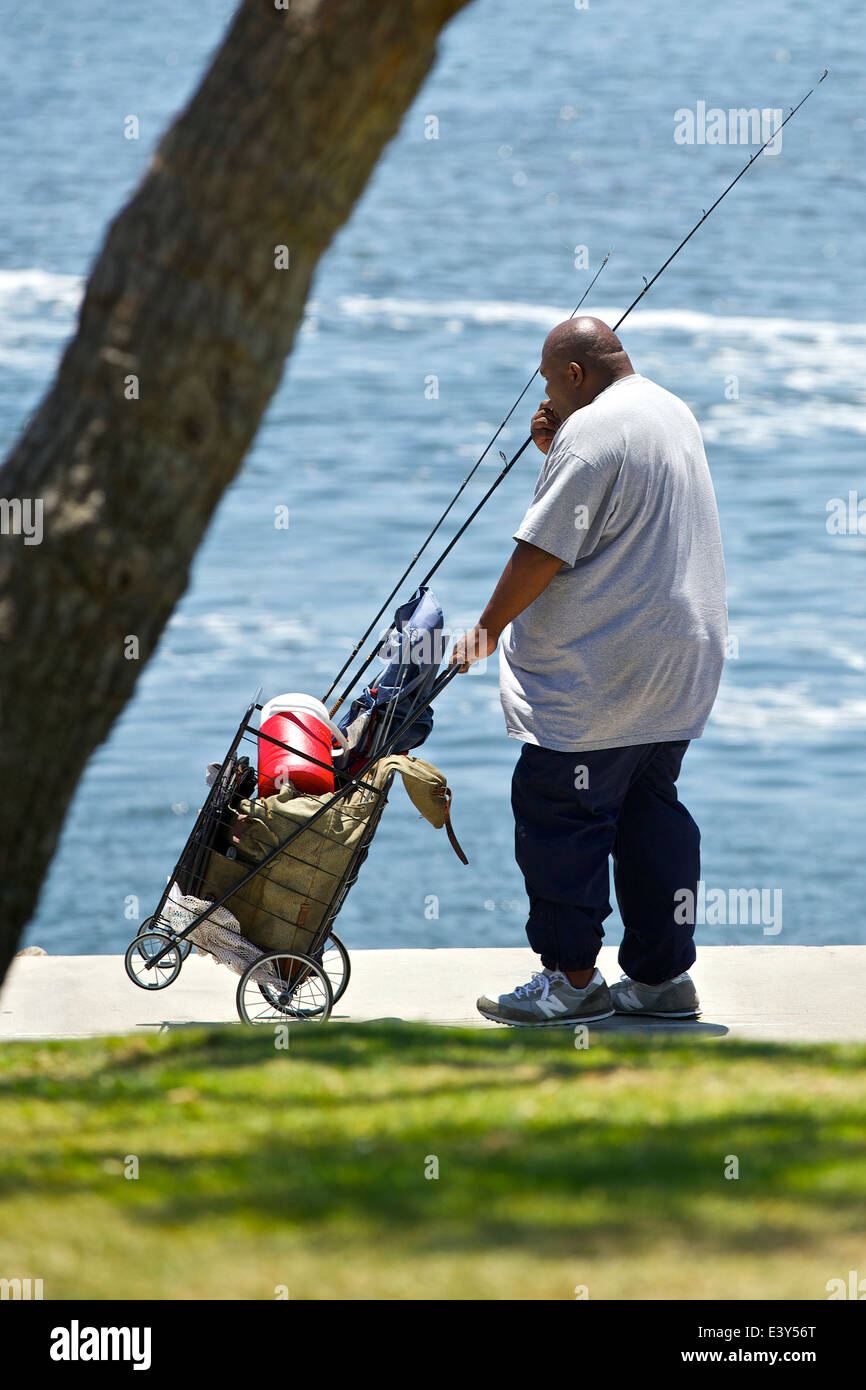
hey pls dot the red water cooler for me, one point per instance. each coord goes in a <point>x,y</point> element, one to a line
<point>304,724</point>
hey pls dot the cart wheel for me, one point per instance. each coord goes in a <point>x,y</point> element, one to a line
<point>334,960</point>
<point>142,950</point>
<point>184,946</point>
<point>284,987</point>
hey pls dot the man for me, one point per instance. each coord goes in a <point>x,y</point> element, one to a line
<point>613,618</point>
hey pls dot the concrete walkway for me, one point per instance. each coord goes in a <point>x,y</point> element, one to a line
<point>783,993</point>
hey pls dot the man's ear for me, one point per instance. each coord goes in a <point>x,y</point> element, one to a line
<point>576,372</point>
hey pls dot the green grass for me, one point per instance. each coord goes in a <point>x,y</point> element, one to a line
<point>305,1168</point>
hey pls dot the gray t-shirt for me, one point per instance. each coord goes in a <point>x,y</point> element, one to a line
<point>626,644</point>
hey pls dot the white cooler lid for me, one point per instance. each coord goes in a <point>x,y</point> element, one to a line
<point>298,703</point>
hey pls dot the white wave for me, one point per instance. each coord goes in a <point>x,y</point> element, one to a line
<point>852,657</point>
<point>37,311</point>
<point>28,287</point>
<point>23,359</point>
<point>32,289</point>
<point>761,425</point>
<point>250,635</point>
<point>22,288</point>
<point>689,321</point>
<point>818,360</point>
<point>785,712</point>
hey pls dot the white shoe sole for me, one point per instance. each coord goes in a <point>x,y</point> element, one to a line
<point>548,1022</point>
<point>657,1013</point>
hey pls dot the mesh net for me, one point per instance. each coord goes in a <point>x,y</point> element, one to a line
<point>219,934</point>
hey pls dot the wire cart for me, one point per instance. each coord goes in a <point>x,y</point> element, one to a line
<point>270,917</point>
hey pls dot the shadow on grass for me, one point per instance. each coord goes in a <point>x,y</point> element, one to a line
<point>542,1187</point>
<point>389,1042</point>
<point>395,1042</point>
<point>513,1173</point>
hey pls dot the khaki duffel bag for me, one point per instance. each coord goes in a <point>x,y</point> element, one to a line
<point>283,907</point>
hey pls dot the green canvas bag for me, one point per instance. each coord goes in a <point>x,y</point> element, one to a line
<point>285,904</point>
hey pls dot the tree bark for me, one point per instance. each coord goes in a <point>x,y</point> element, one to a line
<point>186,300</point>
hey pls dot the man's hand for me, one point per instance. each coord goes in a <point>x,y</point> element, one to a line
<point>474,646</point>
<point>545,423</point>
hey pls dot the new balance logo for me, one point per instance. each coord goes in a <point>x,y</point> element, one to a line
<point>551,1005</point>
<point>630,999</point>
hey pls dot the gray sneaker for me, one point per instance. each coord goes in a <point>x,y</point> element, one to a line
<point>549,1001</point>
<point>675,998</point>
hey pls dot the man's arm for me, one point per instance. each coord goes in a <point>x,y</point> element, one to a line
<point>527,574</point>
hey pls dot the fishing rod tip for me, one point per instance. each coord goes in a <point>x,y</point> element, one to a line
<point>823,75</point>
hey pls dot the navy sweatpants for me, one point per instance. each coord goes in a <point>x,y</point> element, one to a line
<point>572,811</point>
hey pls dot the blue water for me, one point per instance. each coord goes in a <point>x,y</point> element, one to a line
<point>555,131</point>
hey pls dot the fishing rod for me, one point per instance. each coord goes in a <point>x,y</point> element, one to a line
<point>648,284</point>
<point>416,557</point>
<point>508,465</point>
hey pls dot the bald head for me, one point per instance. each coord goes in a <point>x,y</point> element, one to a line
<point>579,359</point>
<point>586,340</point>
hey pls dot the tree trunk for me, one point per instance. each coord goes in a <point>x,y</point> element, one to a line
<point>181,341</point>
